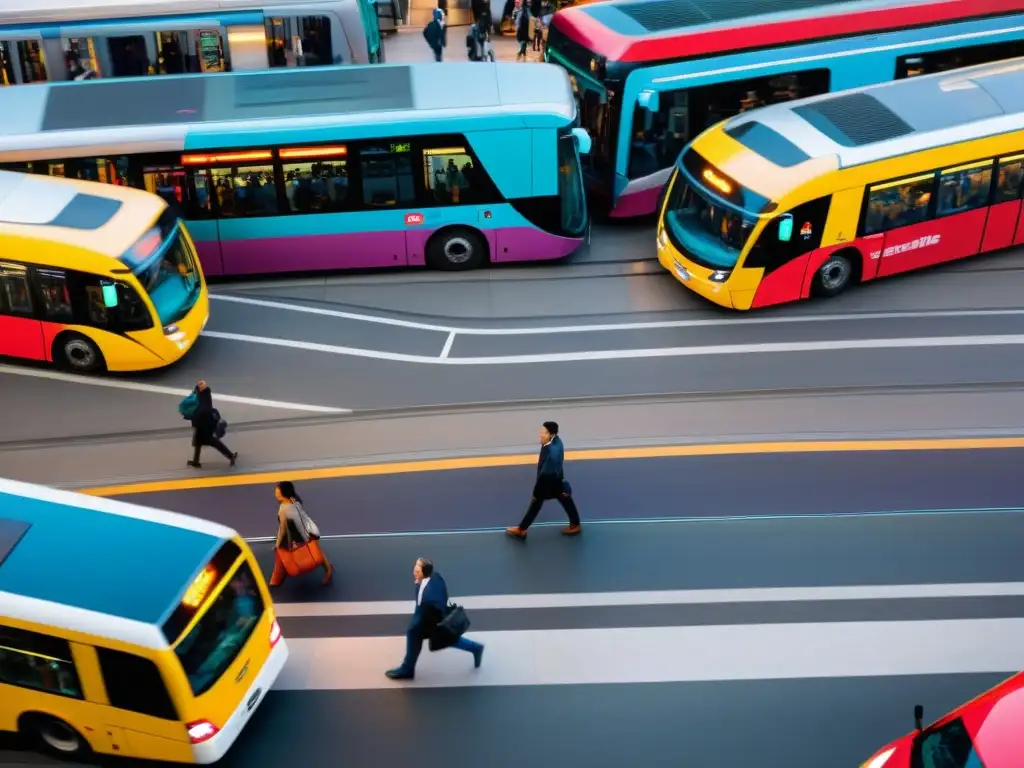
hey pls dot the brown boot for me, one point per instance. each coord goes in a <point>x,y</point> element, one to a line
<point>516,533</point>
<point>572,530</point>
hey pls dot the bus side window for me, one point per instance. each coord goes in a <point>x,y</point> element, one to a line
<point>808,227</point>
<point>914,64</point>
<point>898,204</point>
<point>15,296</point>
<point>38,661</point>
<point>245,191</point>
<point>299,41</point>
<point>133,312</point>
<point>135,684</point>
<point>55,294</point>
<point>449,175</point>
<point>387,175</point>
<point>964,190</point>
<point>1008,182</point>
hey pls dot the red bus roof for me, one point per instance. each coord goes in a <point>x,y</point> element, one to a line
<point>657,30</point>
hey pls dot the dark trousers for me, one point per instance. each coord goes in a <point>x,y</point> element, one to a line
<point>213,442</point>
<point>564,498</point>
<point>414,645</point>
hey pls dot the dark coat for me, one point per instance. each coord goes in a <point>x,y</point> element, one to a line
<point>523,25</point>
<point>550,481</point>
<point>436,35</point>
<point>430,612</point>
<point>205,418</point>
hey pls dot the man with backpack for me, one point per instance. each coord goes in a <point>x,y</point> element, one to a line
<point>207,425</point>
<point>436,34</point>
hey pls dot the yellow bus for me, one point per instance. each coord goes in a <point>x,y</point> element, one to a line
<point>809,197</point>
<point>95,277</point>
<point>128,631</point>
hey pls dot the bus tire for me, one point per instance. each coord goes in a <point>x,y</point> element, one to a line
<point>74,352</point>
<point>840,270</point>
<point>456,248</point>
<point>52,735</point>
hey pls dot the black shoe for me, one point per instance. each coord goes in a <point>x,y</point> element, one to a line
<point>195,464</point>
<point>399,674</point>
<point>234,458</point>
<point>478,656</point>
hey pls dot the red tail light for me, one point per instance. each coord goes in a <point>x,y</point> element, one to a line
<point>201,730</point>
<point>275,633</point>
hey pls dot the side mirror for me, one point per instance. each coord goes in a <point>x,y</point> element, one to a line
<point>918,717</point>
<point>582,140</point>
<point>109,295</point>
<point>648,100</point>
<point>785,228</point>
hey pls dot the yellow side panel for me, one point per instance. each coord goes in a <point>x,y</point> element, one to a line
<point>843,215</point>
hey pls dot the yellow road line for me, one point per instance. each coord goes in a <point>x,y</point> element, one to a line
<point>603,454</point>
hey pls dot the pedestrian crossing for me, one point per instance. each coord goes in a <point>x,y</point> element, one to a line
<point>962,641</point>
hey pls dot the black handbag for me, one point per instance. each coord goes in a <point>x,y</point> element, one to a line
<point>455,621</point>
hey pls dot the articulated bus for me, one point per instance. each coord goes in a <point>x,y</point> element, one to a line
<point>344,167</point>
<point>95,276</point>
<point>53,40</point>
<point>650,75</point>
<point>811,197</point>
<point>146,634</point>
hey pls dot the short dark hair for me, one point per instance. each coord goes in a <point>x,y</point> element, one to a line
<point>551,426</point>
<point>426,566</point>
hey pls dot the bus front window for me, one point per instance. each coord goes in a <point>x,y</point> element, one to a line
<point>168,274</point>
<point>710,233</point>
<point>570,187</point>
<point>220,634</point>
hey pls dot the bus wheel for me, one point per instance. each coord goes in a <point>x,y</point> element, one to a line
<point>835,275</point>
<point>77,353</point>
<point>456,248</point>
<point>53,735</point>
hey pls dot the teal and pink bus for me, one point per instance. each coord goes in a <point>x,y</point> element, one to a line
<point>328,169</point>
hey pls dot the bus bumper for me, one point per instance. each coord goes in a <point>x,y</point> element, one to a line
<point>214,748</point>
<point>696,278</point>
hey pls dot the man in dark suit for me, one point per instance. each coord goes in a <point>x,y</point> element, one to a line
<point>431,604</point>
<point>550,484</point>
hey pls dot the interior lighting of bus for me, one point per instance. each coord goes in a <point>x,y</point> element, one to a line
<point>968,166</point>
<point>445,151</point>
<point>717,182</point>
<point>296,153</point>
<point>228,157</point>
<point>901,182</point>
<point>248,37</point>
<point>33,654</point>
<point>200,588</point>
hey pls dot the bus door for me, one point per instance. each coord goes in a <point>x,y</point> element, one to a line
<point>1003,228</point>
<point>21,333</point>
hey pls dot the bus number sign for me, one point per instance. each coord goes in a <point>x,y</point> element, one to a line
<point>413,219</point>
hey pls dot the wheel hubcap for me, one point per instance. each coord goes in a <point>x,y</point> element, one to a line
<point>60,736</point>
<point>80,354</point>
<point>834,274</point>
<point>458,250</point>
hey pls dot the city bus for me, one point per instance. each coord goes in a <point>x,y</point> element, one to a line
<point>333,168</point>
<point>811,197</point>
<point>128,631</point>
<point>650,75</point>
<point>95,276</point>
<point>55,40</point>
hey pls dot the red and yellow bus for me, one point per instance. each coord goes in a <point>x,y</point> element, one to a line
<point>95,276</point>
<point>810,197</point>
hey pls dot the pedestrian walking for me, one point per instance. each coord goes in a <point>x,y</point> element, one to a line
<point>522,21</point>
<point>436,34</point>
<point>429,622</point>
<point>538,33</point>
<point>208,428</point>
<point>297,549</point>
<point>550,484</point>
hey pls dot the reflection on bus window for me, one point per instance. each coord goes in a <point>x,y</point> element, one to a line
<point>246,191</point>
<point>315,186</point>
<point>965,190</point>
<point>53,285</point>
<point>570,187</point>
<point>37,661</point>
<point>1008,182</point>
<point>15,298</point>
<point>387,176</point>
<point>659,137</point>
<point>898,205</point>
<point>299,41</point>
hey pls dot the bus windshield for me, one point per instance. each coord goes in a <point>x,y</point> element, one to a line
<point>710,232</point>
<point>166,271</point>
<point>222,631</point>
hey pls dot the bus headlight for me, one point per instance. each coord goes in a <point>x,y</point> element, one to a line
<point>719,276</point>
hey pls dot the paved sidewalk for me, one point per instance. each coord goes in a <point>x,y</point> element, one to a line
<point>435,434</point>
<point>407,46</point>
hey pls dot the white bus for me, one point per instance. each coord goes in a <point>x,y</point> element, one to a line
<point>53,40</point>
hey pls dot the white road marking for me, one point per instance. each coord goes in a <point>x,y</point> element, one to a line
<point>665,597</point>
<point>448,345</point>
<point>636,354</point>
<point>609,327</point>
<point>668,654</point>
<point>158,390</point>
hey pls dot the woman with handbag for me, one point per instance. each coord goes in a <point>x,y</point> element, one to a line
<point>297,550</point>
